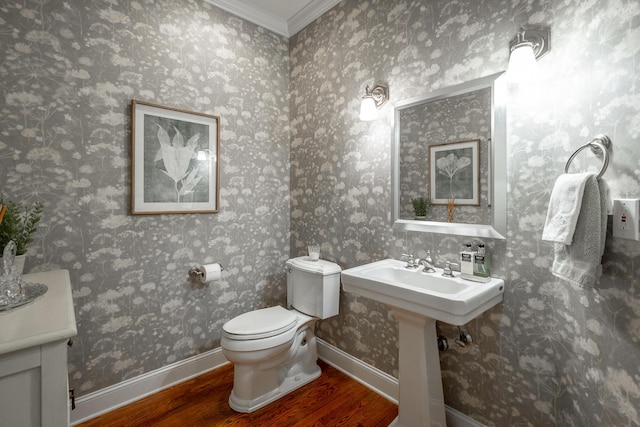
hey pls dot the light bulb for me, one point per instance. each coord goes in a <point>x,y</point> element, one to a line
<point>522,64</point>
<point>368,110</point>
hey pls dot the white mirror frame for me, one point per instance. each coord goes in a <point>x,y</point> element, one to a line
<point>497,158</point>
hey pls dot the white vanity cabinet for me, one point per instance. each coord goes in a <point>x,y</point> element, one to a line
<point>33,355</point>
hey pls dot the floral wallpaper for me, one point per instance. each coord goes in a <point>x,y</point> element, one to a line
<point>454,119</point>
<point>68,73</point>
<point>550,354</point>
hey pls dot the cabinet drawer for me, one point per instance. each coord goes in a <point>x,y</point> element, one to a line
<point>19,361</point>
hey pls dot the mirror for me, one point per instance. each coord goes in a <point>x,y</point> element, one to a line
<point>450,145</point>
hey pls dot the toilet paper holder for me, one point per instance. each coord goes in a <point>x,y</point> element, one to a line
<point>198,273</point>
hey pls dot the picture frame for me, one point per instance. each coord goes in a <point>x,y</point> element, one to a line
<point>454,172</point>
<point>175,160</point>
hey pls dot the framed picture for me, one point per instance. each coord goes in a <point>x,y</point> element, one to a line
<point>174,160</point>
<point>455,172</point>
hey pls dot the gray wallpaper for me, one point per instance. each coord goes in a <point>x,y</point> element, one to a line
<point>551,354</point>
<point>68,72</point>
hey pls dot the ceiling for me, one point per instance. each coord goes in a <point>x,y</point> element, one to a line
<point>284,17</point>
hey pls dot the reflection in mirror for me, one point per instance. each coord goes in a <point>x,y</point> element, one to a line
<point>437,125</point>
<point>450,146</point>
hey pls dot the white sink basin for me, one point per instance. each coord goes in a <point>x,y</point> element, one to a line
<point>449,299</point>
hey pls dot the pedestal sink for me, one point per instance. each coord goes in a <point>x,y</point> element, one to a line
<point>418,300</point>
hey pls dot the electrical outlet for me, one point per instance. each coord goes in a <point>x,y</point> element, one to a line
<point>626,217</point>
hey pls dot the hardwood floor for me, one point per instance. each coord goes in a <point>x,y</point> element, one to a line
<point>334,399</point>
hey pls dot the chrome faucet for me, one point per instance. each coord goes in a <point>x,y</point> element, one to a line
<point>428,264</point>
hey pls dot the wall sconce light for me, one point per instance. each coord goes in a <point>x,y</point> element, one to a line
<point>373,100</point>
<point>526,47</point>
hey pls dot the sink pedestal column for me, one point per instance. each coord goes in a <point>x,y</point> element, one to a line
<point>421,401</point>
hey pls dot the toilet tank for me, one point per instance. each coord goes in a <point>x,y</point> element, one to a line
<point>313,287</point>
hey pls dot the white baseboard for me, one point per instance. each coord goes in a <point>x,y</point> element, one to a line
<point>382,383</point>
<point>105,400</point>
<point>117,395</point>
<point>456,418</point>
<point>379,381</point>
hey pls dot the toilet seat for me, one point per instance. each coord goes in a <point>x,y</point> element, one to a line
<point>260,324</point>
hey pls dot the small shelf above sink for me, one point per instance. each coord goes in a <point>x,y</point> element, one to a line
<point>449,299</point>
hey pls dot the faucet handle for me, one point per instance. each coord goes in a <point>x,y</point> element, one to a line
<point>411,261</point>
<point>410,258</point>
<point>448,269</point>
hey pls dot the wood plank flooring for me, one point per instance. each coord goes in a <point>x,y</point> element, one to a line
<point>334,399</point>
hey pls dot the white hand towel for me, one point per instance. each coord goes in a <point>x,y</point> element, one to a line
<point>564,207</point>
<point>580,262</point>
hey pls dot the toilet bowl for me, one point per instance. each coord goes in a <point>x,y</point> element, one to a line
<point>273,349</point>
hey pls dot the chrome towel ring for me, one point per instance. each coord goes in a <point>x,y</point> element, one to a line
<point>600,146</point>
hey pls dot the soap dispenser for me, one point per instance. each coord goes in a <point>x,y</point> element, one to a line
<point>481,264</point>
<point>466,260</point>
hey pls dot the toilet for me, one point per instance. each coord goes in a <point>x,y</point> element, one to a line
<point>274,349</point>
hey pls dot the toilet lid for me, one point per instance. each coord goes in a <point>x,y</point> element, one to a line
<point>262,323</point>
<point>321,266</point>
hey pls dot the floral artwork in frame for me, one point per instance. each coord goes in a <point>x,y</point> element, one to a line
<point>175,160</point>
<point>455,173</point>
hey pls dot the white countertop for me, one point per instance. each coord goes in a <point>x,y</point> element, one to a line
<point>48,319</point>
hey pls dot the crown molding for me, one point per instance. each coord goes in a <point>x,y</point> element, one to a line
<point>273,23</point>
<point>308,14</point>
<point>260,17</point>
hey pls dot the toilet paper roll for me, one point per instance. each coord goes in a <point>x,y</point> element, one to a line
<point>210,272</point>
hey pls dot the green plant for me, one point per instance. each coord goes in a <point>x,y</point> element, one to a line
<point>421,206</point>
<point>19,224</point>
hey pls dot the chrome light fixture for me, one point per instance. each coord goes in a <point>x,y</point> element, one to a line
<point>373,100</point>
<point>528,45</point>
